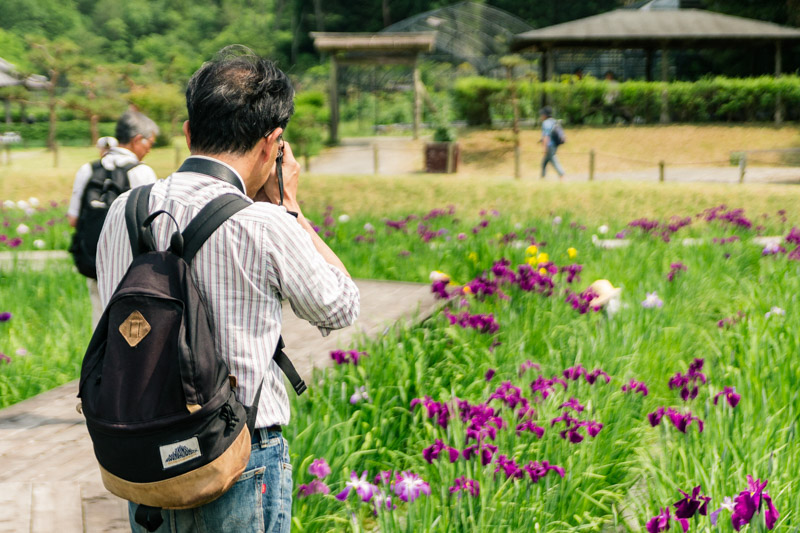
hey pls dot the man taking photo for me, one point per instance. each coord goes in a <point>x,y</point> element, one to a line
<point>239,105</point>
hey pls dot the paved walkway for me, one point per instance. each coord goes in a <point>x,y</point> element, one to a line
<point>49,480</point>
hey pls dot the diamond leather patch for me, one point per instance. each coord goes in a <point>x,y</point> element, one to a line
<point>134,329</point>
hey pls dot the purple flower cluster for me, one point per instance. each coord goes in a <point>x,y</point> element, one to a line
<point>433,452</point>
<point>730,320</point>
<point>680,420</point>
<point>320,470</point>
<point>636,386</point>
<point>581,301</point>
<point>469,486</point>
<point>434,409</point>
<point>531,279</point>
<point>574,373</point>
<point>674,269</point>
<point>725,240</point>
<point>350,356</point>
<point>400,225</point>
<point>483,323</point>
<point>688,383</point>
<point>733,217</point>
<point>573,272</point>
<point>437,213</point>
<point>545,386</point>
<point>573,424</point>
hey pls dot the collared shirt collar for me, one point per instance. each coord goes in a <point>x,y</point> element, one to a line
<point>244,188</point>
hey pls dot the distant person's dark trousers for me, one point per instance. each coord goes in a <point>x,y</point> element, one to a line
<point>550,157</point>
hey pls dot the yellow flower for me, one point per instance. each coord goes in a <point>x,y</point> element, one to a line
<point>531,250</point>
<point>473,257</point>
<point>543,271</point>
<point>542,258</point>
<point>466,290</point>
<point>531,261</point>
<point>572,252</point>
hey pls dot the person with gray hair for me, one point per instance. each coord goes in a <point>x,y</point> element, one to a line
<point>135,135</point>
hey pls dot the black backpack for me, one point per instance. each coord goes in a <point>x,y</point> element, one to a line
<point>158,399</point>
<point>557,135</point>
<point>101,190</point>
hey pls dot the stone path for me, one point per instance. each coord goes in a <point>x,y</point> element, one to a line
<point>49,480</point>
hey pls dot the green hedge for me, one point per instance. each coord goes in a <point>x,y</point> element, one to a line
<point>590,101</point>
<point>68,132</point>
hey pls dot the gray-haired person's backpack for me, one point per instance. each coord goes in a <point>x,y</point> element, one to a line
<point>167,429</point>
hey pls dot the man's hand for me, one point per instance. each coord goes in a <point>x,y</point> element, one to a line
<point>291,177</point>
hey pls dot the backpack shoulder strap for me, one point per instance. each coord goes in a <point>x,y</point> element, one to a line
<point>208,220</point>
<point>136,211</point>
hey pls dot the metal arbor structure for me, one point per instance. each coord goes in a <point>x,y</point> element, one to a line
<point>478,34</point>
<point>372,49</point>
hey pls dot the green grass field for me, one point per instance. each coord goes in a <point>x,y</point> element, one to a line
<point>720,309</point>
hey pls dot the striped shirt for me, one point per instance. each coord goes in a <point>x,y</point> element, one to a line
<point>257,257</point>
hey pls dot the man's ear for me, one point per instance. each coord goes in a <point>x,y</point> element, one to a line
<point>271,142</point>
<point>187,134</point>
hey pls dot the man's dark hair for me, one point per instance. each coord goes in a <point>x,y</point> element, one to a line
<point>546,111</point>
<point>236,99</point>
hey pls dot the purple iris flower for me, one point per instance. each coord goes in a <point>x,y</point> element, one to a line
<point>682,421</point>
<point>674,269</point>
<point>545,386</point>
<point>655,417</point>
<point>5,316</point>
<point>509,466</point>
<point>574,372</point>
<point>526,365</point>
<point>409,486</point>
<point>594,375</point>
<point>438,410</point>
<point>573,404</point>
<point>363,488</point>
<point>730,395</point>
<point>748,502</point>
<point>530,426</point>
<point>383,477</point>
<point>319,468</point>
<point>660,522</point>
<point>537,470</point>
<point>636,386</point>
<point>691,504</point>
<point>489,374</point>
<point>382,501</point>
<point>439,288</point>
<point>487,452</point>
<point>5,358</point>
<point>467,485</point>
<point>351,356</point>
<point>434,450</point>
<point>315,487</point>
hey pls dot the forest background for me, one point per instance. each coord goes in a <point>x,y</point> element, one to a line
<point>104,54</point>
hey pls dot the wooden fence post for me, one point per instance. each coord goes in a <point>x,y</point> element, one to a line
<point>375,159</point>
<point>661,171</point>
<point>591,164</point>
<point>742,167</point>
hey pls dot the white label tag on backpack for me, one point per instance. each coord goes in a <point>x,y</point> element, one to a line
<point>179,452</point>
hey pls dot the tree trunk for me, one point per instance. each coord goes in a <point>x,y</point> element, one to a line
<point>93,127</point>
<point>319,16</point>
<point>387,14</point>
<point>51,104</point>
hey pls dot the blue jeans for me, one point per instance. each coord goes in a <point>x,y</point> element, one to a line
<point>244,508</point>
<point>550,157</point>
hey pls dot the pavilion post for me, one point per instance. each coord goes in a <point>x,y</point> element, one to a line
<point>778,73</point>
<point>549,73</point>
<point>664,91</point>
<point>334,102</point>
<point>8,110</point>
<point>417,98</point>
<point>648,65</point>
